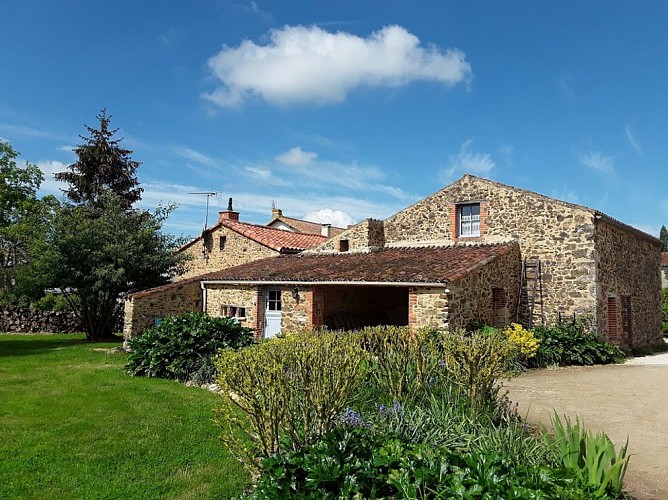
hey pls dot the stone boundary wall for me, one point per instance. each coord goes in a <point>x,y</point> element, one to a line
<point>14,319</point>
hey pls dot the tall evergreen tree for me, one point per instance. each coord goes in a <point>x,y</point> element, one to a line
<point>663,236</point>
<point>103,166</point>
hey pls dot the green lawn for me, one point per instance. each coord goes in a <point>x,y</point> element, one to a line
<point>74,425</point>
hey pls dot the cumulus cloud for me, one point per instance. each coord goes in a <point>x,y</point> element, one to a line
<point>598,161</point>
<point>296,156</point>
<point>49,168</point>
<point>467,161</point>
<point>308,64</point>
<point>337,218</point>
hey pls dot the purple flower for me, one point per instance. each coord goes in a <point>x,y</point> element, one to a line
<point>352,418</point>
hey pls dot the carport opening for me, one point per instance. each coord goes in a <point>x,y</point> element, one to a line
<point>352,308</point>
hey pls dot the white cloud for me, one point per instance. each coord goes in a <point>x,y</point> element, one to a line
<point>466,161</point>
<point>296,156</point>
<point>337,218</point>
<point>309,64</point>
<point>49,168</point>
<point>632,141</point>
<point>196,156</point>
<point>598,161</point>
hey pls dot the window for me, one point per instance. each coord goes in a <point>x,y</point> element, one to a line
<point>613,320</point>
<point>233,311</point>
<point>274,300</point>
<point>627,326</point>
<point>343,245</point>
<point>469,220</point>
<point>221,242</point>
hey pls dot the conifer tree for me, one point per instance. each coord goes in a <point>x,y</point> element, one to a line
<point>103,166</point>
<point>663,236</point>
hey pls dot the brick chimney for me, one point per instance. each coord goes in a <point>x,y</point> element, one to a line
<point>326,230</point>
<point>228,214</point>
<point>276,213</point>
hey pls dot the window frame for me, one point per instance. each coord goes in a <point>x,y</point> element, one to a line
<point>470,219</point>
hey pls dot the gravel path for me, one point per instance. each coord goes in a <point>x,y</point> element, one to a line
<point>629,400</point>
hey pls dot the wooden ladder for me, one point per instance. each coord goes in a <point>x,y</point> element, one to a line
<point>531,294</point>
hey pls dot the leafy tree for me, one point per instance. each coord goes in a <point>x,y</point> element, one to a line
<point>23,218</point>
<point>99,252</point>
<point>663,236</point>
<point>103,166</point>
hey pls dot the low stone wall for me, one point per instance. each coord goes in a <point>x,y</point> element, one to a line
<point>16,319</point>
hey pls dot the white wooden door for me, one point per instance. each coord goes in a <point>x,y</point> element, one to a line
<point>272,313</point>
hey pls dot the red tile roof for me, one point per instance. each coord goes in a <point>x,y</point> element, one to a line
<point>304,226</point>
<point>276,239</point>
<point>394,265</point>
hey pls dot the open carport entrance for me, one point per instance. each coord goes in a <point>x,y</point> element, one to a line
<point>353,307</point>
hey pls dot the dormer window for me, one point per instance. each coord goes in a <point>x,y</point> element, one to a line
<point>343,245</point>
<point>469,220</point>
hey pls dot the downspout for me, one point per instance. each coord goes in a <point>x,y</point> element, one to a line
<point>203,286</point>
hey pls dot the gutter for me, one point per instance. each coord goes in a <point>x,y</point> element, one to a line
<point>328,283</point>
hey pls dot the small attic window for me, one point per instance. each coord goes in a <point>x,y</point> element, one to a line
<point>469,220</point>
<point>344,246</point>
<point>222,241</point>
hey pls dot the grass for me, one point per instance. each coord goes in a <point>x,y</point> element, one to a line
<point>74,425</point>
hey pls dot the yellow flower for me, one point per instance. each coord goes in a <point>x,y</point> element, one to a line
<point>525,340</point>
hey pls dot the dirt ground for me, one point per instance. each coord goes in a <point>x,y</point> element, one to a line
<point>621,400</point>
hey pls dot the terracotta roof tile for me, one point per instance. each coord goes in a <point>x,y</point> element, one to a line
<point>395,265</point>
<point>276,239</point>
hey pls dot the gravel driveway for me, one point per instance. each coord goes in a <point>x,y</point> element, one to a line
<point>621,400</point>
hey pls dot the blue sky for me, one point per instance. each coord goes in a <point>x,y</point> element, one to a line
<point>346,110</point>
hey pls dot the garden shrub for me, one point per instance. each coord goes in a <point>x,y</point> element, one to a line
<point>475,361</point>
<point>290,390</point>
<point>180,345</point>
<point>402,362</point>
<point>524,339</point>
<point>569,343</point>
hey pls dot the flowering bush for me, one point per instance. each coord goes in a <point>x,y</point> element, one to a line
<point>525,340</point>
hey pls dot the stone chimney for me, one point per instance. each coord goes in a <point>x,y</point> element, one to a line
<point>228,214</point>
<point>276,213</point>
<point>326,230</point>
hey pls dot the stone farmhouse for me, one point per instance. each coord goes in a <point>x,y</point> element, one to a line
<point>475,252</point>
<point>228,243</point>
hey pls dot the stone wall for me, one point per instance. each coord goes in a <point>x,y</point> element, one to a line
<point>473,299</point>
<point>364,236</point>
<point>205,254</point>
<point>16,319</point>
<point>559,233</point>
<point>428,307</point>
<point>143,308</point>
<point>221,298</point>
<point>628,265</point>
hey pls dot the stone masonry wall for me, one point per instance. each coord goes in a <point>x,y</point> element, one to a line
<point>629,265</point>
<point>470,300</point>
<point>428,307</point>
<point>142,309</point>
<point>206,256</point>
<point>559,233</point>
<point>218,297</point>
<point>26,320</point>
<point>365,236</point>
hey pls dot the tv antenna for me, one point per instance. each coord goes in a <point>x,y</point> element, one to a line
<point>208,195</point>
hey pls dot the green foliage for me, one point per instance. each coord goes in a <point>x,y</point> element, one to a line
<point>181,345</point>
<point>592,458</point>
<point>568,343</point>
<point>475,361</point>
<point>663,236</point>
<point>51,302</point>
<point>402,362</point>
<point>102,167</point>
<point>290,388</point>
<point>355,463</point>
<point>664,310</point>
<point>103,252</point>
